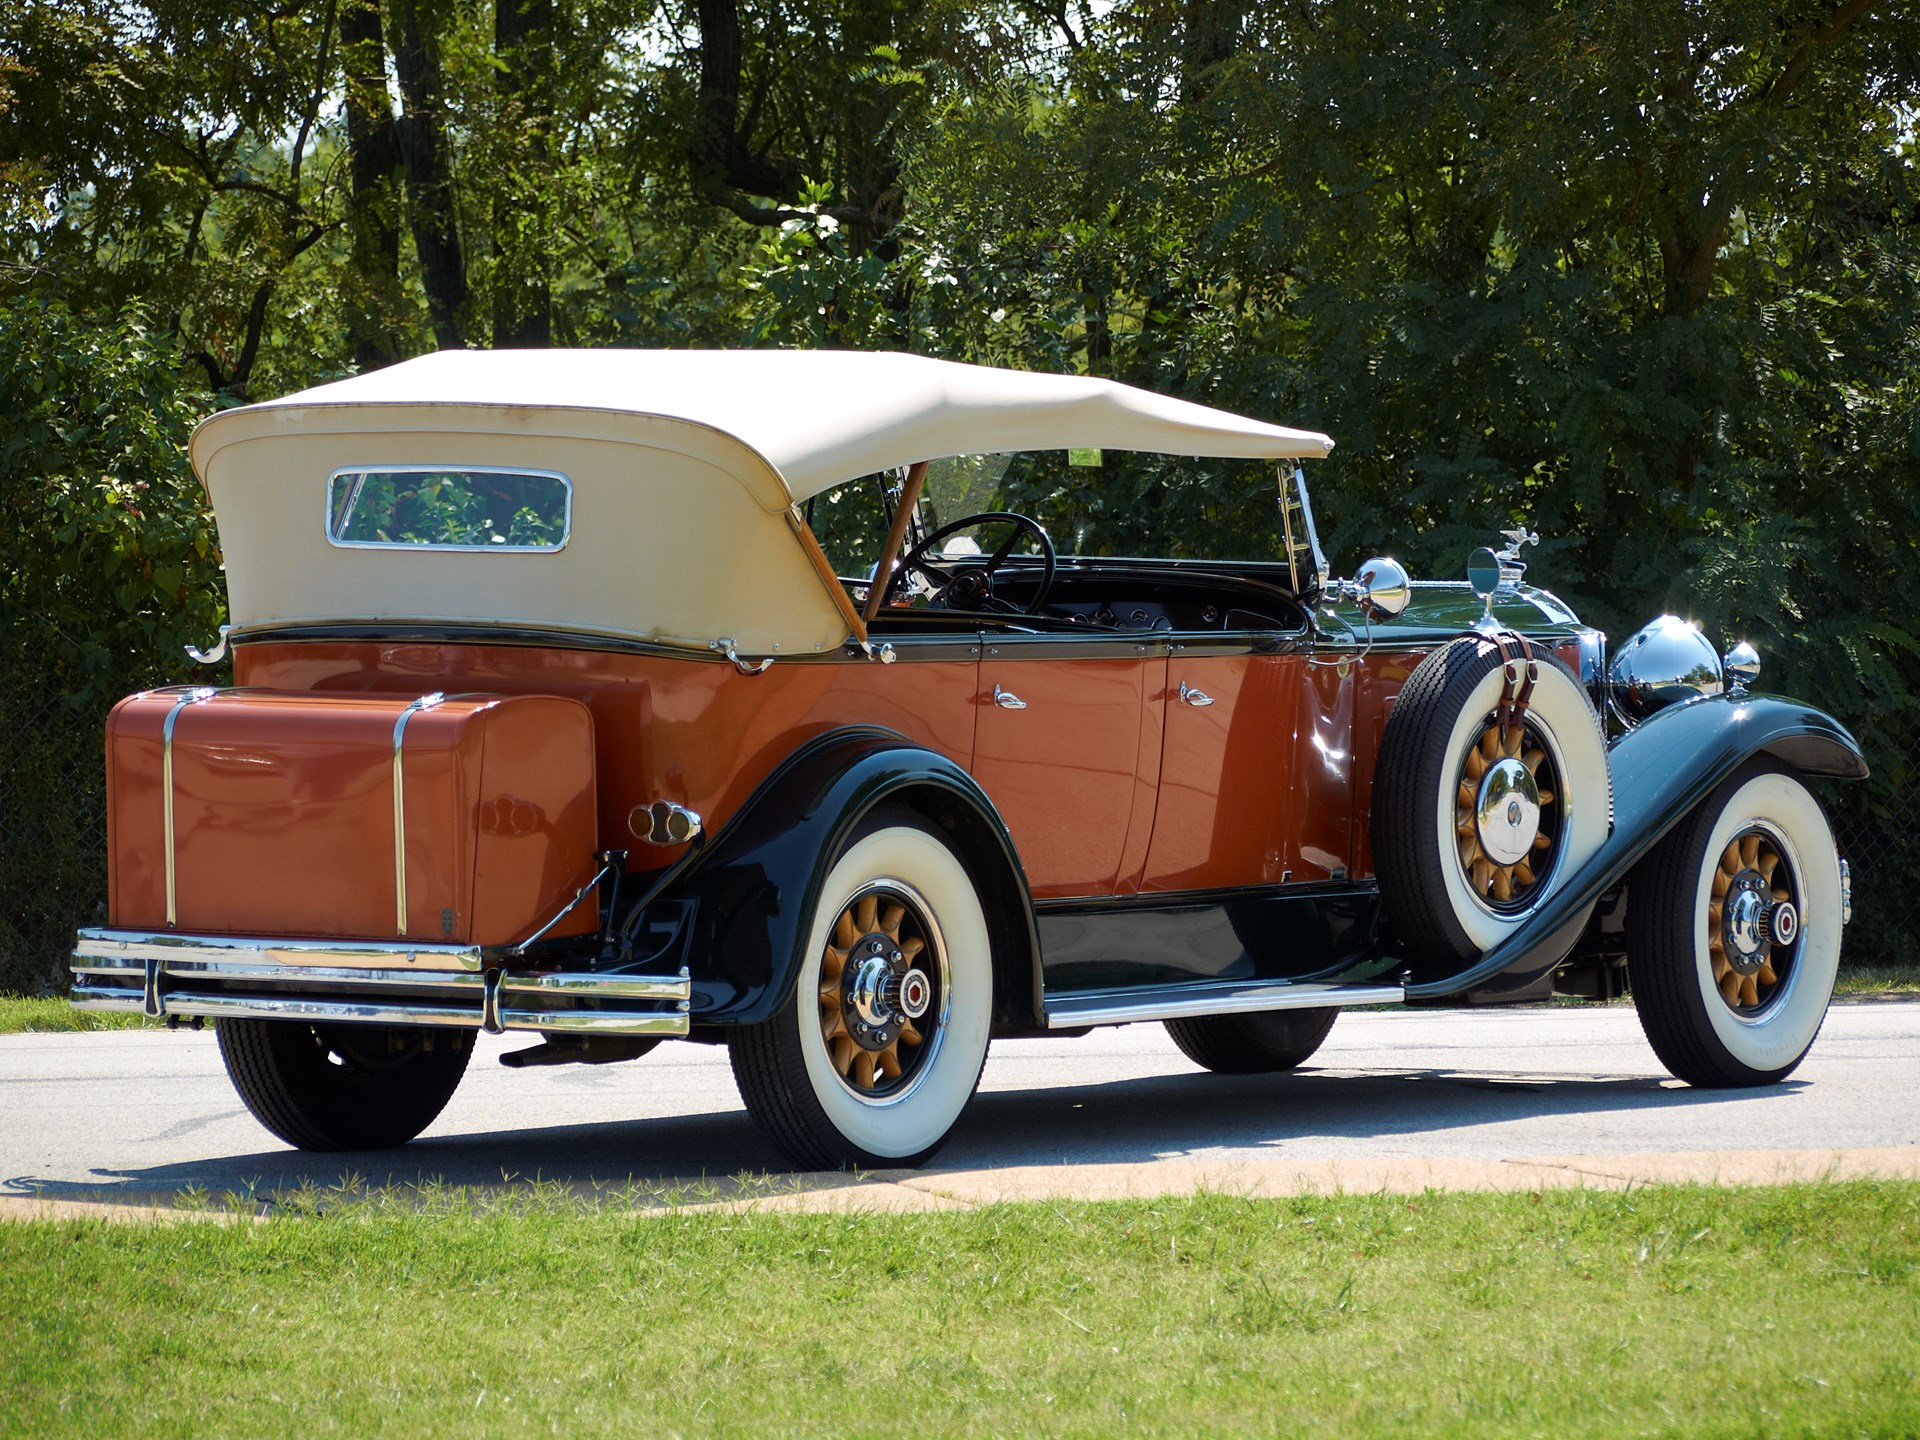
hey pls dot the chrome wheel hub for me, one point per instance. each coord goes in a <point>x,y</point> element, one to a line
<point>869,974</point>
<point>1753,920</point>
<point>873,988</point>
<point>1783,923</point>
<point>1745,918</point>
<point>882,992</point>
<point>1507,812</point>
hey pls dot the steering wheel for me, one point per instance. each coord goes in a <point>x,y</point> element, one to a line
<point>968,584</point>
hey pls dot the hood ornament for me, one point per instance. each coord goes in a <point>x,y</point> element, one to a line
<point>1512,567</point>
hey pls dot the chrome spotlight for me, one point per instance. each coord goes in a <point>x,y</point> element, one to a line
<point>1381,589</point>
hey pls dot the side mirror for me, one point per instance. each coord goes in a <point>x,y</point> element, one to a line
<point>1483,572</point>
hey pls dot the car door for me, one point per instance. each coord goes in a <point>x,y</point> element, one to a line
<point>1065,748</point>
<point>1256,775</point>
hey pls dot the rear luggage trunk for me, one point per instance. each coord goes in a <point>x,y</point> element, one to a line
<point>466,819</point>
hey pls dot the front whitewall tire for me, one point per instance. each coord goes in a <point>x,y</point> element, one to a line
<point>1699,1034</point>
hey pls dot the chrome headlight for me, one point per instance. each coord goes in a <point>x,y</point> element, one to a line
<point>1665,662</point>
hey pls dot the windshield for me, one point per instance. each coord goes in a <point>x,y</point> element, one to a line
<point>1092,503</point>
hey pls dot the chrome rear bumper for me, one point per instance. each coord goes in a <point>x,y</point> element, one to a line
<point>365,982</point>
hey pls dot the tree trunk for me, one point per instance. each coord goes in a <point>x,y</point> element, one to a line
<point>1211,34</point>
<point>524,81</point>
<point>373,207</point>
<point>724,167</point>
<point>427,158</point>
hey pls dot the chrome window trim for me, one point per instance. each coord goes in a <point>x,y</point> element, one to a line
<point>326,509</point>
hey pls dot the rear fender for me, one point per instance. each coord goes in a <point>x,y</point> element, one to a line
<point>755,886</point>
<point>1661,769</point>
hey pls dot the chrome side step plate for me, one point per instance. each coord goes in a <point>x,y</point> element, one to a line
<point>1212,997</point>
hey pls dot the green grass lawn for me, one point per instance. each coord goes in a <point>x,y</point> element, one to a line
<point>38,1014</point>
<point>1665,1311</point>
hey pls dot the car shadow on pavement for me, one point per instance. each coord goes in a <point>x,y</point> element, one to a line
<point>1306,1115</point>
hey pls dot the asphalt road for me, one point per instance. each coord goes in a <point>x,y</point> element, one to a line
<point>149,1115</point>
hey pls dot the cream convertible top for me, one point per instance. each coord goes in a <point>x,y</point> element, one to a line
<point>687,469</point>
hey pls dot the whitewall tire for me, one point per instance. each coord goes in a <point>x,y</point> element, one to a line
<point>1733,931</point>
<point>880,1047</point>
<point>1475,824</point>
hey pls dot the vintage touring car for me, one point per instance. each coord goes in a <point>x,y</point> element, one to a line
<point>552,714</point>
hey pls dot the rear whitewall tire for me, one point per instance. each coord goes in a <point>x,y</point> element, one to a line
<point>785,1067</point>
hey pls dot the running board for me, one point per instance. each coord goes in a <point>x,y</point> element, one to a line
<point>1216,997</point>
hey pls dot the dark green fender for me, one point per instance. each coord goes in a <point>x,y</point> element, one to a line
<point>1661,769</point>
<point>754,888</point>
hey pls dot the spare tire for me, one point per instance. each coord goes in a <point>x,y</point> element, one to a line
<point>1473,823</point>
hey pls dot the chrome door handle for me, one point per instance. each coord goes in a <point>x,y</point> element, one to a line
<point>1191,696</point>
<point>1007,700</point>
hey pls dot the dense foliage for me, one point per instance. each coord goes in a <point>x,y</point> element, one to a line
<point>1643,276</point>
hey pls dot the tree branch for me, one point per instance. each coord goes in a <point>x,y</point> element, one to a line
<point>314,97</point>
<point>1800,61</point>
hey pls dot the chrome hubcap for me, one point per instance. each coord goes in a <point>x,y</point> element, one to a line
<point>1507,812</point>
<point>1744,915</point>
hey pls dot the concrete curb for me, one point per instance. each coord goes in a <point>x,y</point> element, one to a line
<point>966,1189</point>
<point>917,1191</point>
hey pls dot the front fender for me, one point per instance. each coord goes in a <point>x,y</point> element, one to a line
<point>755,887</point>
<point>1661,769</point>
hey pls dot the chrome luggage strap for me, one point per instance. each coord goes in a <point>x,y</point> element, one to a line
<point>199,694</point>
<point>425,702</point>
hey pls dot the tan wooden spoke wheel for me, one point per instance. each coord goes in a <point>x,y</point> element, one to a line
<point>1733,930</point>
<point>1506,814</point>
<point>878,1048</point>
<point>1753,921</point>
<point>1461,803</point>
<point>874,994</point>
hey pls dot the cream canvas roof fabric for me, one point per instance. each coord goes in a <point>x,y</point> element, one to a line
<point>818,418</point>
<point>685,466</point>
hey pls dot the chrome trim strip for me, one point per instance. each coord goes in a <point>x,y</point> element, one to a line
<point>1179,1002</point>
<point>464,981</point>
<point>425,702</point>
<point>137,945</point>
<point>194,696</point>
<point>384,1012</point>
<point>623,987</point>
<point>594,1022</point>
